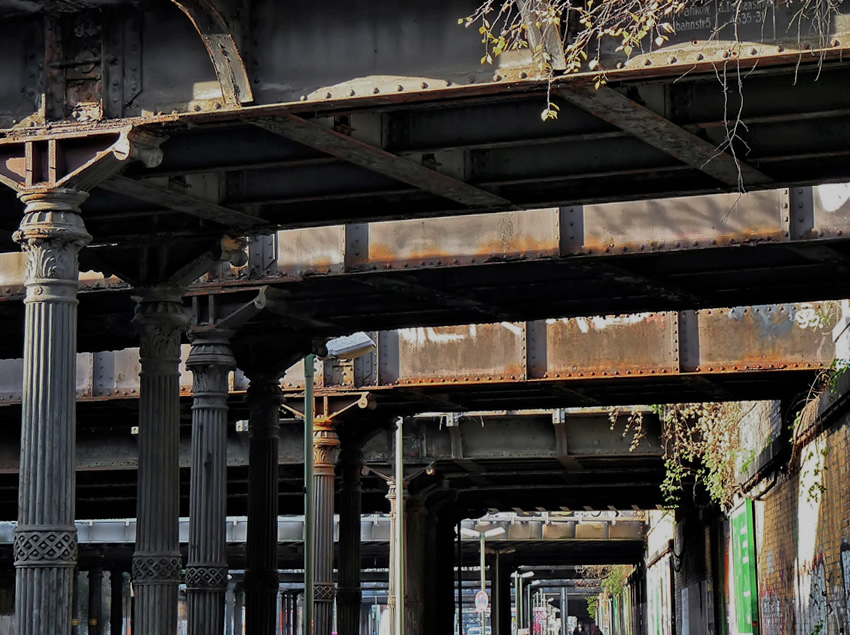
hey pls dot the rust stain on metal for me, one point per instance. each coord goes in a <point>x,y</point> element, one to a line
<point>465,354</point>
<point>463,240</point>
<point>768,337</point>
<point>611,346</point>
<point>680,223</point>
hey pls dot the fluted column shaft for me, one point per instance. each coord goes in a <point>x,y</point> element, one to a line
<point>261,576</point>
<point>51,234</point>
<point>210,361</point>
<point>325,450</point>
<point>349,593</point>
<point>157,563</point>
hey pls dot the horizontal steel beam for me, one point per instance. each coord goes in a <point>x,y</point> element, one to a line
<point>693,345</point>
<point>482,437</point>
<point>418,365</point>
<point>812,222</point>
<point>376,528</point>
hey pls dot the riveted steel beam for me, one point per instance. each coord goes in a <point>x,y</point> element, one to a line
<point>381,161</point>
<point>648,126</point>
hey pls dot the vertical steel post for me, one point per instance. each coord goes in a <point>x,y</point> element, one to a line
<point>482,566</point>
<point>309,508</point>
<point>517,595</point>
<point>51,235</point>
<point>391,577</point>
<point>564,609</point>
<point>400,527</point>
<point>459,580</point>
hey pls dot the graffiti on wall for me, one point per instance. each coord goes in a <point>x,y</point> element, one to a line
<point>845,580</point>
<point>659,600</point>
<point>811,595</point>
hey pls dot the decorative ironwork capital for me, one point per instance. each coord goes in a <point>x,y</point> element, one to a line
<point>325,445</point>
<point>52,233</point>
<point>160,319</point>
<point>264,399</point>
<point>211,360</point>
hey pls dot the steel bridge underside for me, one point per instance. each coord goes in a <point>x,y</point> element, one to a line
<point>385,113</point>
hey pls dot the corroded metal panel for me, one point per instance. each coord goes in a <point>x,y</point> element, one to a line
<point>617,345</point>
<point>675,223</point>
<point>830,213</point>
<point>293,378</point>
<point>126,371</point>
<point>463,239</point>
<point>313,250</point>
<point>470,353</point>
<point>12,378</point>
<point>12,272</point>
<point>768,337</point>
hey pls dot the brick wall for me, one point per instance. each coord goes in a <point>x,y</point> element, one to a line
<point>803,541</point>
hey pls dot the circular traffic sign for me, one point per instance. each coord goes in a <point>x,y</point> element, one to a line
<point>482,601</point>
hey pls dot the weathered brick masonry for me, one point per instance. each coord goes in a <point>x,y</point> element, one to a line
<point>803,537</point>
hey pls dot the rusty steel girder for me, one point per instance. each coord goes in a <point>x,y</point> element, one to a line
<point>686,345</point>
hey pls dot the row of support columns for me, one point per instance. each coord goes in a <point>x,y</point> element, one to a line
<point>45,547</point>
<point>51,234</point>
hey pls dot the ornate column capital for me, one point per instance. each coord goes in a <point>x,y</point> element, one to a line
<point>160,319</point>
<point>264,398</point>
<point>325,447</point>
<point>351,455</point>
<point>52,233</point>
<point>211,360</point>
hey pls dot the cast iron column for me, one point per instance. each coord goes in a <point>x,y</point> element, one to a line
<point>157,563</point>
<point>116,602</point>
<point>349,592</point>
<point>414,514</point>
<point>445,592</point>
<point>51,234</point>
<point>500,593</point>
<point>325,449</point>
<point>261,577</point>
<point>210,361</point>
<point>95,601</point>
<point>238,595</point>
